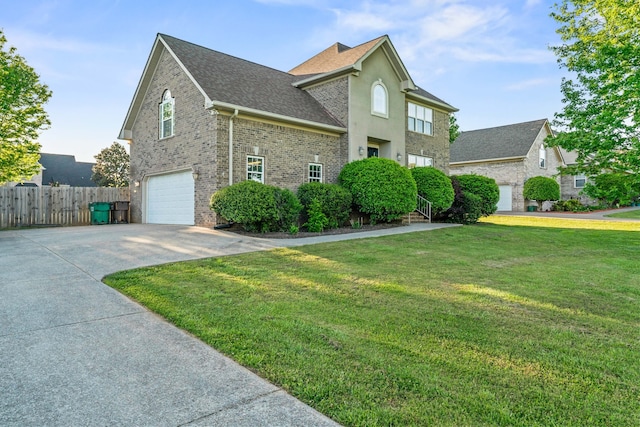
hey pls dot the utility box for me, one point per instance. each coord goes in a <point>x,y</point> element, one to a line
<point>99,212</point>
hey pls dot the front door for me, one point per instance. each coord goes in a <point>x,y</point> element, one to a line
<point>373,151</point>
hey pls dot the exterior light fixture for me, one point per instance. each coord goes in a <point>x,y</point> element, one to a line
<point>361,150</point>
<point>399,157</point>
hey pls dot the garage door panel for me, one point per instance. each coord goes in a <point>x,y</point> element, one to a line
<point>170,199</point>
<point>506,198</point>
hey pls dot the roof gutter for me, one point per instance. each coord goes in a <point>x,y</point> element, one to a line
<point>433,102</point>
<point>209,105</point>
<point>497,160</point>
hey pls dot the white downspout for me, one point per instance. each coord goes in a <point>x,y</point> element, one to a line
<point>234,115</point>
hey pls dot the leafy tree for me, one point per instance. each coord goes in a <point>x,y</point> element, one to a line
<point>22,116</point>
<point>541,189</point>
<point>613,189</point>
<point>454,128</point>
<point>601,116</point>
<point>112,167</point>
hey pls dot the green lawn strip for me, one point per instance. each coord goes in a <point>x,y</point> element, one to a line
<point>634,214</point>
<point>475,325</point>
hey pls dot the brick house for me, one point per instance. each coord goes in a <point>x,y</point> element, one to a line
<point>201,120</point>
<point>509,154</point>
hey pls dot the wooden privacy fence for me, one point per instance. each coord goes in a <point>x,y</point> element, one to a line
<point>26,206</point>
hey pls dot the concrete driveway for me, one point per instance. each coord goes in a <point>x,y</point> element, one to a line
<point>75,352</point>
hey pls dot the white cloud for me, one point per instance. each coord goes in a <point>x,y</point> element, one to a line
<point>531,83</point>
<point>30,41</point>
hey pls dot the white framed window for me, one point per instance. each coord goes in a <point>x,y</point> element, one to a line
<point>315,172</point>
<point>255,168</point>
<point>167,115</point>
<point>579,181</point>
<point>542,156</point>
<point>420,119</point>
<point>379,99</point>
<point>415,161</point>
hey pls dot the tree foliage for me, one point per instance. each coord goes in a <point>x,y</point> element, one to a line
<point>541,189</point>
<point>112,167</point>
<point>454,128</point>
<point>601,116</point>
<point>22,116</point>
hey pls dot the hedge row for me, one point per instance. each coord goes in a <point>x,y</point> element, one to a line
<point>379,188</point>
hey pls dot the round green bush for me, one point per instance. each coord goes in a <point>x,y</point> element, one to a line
<point>483,187</point>
<point>434,186</point>
<point>335,202</point>
<point>541,189</point>
<point>258,207</point>
<point>466,207</point>
<point>380,187</point>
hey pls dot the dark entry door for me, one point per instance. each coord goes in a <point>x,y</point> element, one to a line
<point>373,152</point>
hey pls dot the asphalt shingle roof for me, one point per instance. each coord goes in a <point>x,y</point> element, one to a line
<point>236,81</point>
<point>495,143</point>
<point>64,170</point>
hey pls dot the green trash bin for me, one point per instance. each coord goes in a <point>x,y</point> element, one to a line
<point>99,212</point>
<point>532,208</point>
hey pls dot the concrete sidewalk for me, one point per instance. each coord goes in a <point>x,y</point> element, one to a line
<point>74,352</point>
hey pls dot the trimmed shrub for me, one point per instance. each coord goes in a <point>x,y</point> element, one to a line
<point>288,207</point>
<point>380,187</point>
<point>435,186</point>
<point>258,207</point>
<point>466,207</point>
<point>571,205</point>
<point>612,189</point>
<point>317,219</point>
<point>541,189</point>
<point>483,187</point>
<point>335,202</point>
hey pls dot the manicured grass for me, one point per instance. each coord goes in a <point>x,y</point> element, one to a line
<point>634,214</point>
<point>476,325</point>
<point>551,222</point>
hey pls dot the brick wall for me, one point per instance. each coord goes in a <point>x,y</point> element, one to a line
<point>287,152</point>
<point>192,146</point>
<point>334,97</point>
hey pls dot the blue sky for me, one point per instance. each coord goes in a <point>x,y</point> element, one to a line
<point>488,58</point>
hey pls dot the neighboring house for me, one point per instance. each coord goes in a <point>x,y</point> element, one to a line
<point>64,170</point>
<point>201,120</point>
<point>509,154</point>
<point>61,170</point>
<point>571,186</point>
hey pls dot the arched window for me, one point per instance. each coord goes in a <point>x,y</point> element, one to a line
<point>166,115</point>
<point>379,99</point>
<point>542,155</point>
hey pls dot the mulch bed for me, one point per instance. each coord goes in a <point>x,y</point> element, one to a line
<point>237,228</point>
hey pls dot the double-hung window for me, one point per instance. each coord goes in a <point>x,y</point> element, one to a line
<point>420,119</point>
<point>255,168</point>
<point>167,115</point>
<point>315,172</point>
<point>579,181</point>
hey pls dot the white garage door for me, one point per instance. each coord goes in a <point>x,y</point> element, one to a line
<point>170,199</point>
<point>506,201</point>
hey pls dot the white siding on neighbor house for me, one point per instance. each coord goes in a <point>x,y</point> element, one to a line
<point>506,198</point>
<point>170,199</point>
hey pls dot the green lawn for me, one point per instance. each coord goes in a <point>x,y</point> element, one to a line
<point>477,325</point>
<point>634,214</point>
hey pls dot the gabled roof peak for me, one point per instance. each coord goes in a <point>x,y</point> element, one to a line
<point>335,57</point>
